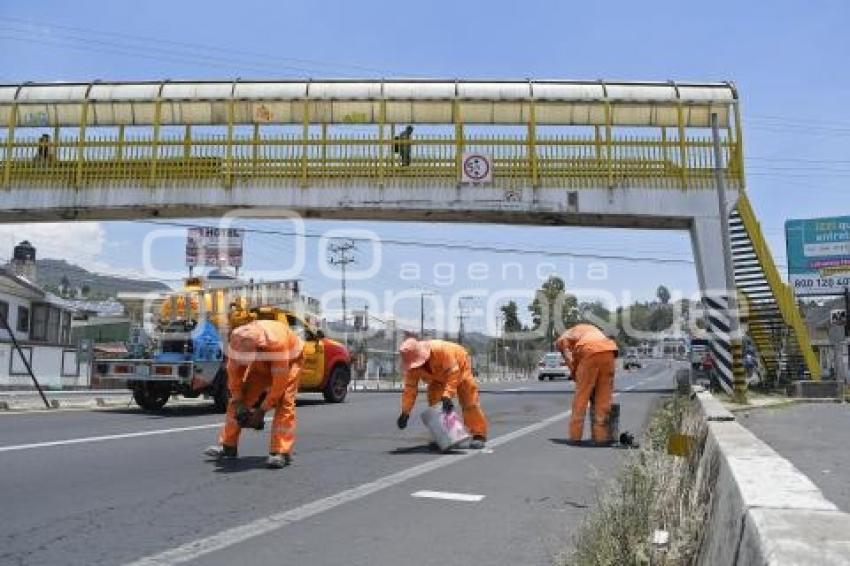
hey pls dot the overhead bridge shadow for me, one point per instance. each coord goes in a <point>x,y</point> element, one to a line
<point>654,390</point>
<point>422,449</point>
<point>570,391</point>
<point>526,392</point>
<point>188,410</point>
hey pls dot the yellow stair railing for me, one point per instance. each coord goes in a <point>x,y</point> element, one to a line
<point>782,293</point>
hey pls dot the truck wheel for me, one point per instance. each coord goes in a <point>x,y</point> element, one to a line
<point>222,395</point>
<point>337,387</point>
<point>151,398</point>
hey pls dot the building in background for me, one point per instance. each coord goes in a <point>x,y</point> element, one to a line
<point>41,323</point>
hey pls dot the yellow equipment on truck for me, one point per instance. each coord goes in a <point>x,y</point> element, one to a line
<point>192,327</point>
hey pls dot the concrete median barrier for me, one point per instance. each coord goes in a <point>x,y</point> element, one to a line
<point>763,509</point>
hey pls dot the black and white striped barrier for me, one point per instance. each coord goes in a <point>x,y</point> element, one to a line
<point>719,340</point>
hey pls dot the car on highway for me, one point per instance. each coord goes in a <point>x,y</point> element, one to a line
<point>552,365</point>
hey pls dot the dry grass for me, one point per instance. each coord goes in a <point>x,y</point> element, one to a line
<point>653,491</point>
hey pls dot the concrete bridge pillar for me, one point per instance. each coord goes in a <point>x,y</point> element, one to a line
<point>707,242</point>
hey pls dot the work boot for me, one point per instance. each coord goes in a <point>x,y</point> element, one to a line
<point>221,452</point>
<point>477,442</point>
<point>278,461</point>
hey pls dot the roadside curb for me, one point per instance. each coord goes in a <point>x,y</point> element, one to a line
<point>763,509</point>
<point>28,403</point>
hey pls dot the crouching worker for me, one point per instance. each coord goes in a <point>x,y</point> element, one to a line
<point>590,356</point>
<point>447,370</point>
<point>263,365</point>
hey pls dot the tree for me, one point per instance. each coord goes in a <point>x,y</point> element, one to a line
<point>512,323</point>
<point>663,294</point>
<point>552,297</point>
<point>660,319</point>
<point>85,290</point>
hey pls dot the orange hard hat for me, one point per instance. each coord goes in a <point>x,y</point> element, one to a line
<point>414,353</point>
<point>266,336</point>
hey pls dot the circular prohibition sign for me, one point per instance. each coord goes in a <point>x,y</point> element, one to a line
<point>476,167</point>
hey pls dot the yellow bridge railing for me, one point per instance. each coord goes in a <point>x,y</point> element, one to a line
<point>225,159</point>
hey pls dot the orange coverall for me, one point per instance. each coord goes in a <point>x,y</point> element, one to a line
<point>448,373</point>
<point>277,360</point>
<point>590,355</point>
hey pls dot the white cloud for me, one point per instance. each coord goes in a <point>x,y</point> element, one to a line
<point>79,243</point>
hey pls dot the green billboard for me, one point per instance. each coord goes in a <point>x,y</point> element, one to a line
<point>818,253</point>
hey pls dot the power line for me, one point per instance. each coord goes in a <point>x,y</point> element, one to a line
<point>126,52</point>
<point>463,247</point>
<point>802,121</point>
<point>150,42</point>
<point>797,160</point>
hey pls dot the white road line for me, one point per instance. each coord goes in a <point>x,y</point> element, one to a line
<point>263,525</point>
<point>88,439</point>
<point>467,497</point>
<point>515,389</point>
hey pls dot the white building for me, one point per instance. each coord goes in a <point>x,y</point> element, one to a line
<point>41,324</point>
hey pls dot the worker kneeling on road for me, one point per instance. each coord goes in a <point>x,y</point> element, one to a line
<point>263,365</point>
<point>447,370</point>
<point>590,356</point>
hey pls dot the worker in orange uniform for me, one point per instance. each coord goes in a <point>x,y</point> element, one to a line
<point>265,358</point>
<point>590,356</point>
<point>447,369</point>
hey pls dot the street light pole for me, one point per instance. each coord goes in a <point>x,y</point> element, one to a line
<point>739,379</point>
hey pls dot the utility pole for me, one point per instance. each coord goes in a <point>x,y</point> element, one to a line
<point>739,378</point>
<point>422,313</point>
<point>461,315</point>
<point>340,254</point>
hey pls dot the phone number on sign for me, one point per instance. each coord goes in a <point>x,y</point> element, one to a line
<point>813,283</point>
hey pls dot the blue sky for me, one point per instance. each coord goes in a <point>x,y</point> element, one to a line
<point>789,60</point>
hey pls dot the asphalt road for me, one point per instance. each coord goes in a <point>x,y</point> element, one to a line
<point>119,486</point>
<point>813,436</point>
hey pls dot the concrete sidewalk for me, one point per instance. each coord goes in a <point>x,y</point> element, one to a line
<point>814,437</point>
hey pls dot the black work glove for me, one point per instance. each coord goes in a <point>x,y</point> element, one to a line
<point>243,417</point>
<point>258,419</point>
<point>402,421</point>
<point>448,406</point>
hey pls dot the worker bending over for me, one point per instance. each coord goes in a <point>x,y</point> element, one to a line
<point>263,366</point>
<point>447,369</point>
<point>590,356</point>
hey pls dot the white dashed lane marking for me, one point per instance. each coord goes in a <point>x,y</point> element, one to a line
<point>447,495</point>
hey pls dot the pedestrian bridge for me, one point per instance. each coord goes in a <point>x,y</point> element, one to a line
<point>596,153</point>
<point>100,141</point>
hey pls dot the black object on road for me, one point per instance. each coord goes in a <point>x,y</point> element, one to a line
<point>402,420</point>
